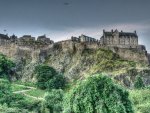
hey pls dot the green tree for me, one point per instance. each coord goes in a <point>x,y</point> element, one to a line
<point>53,101</point>
<point>5,92</point>
<point>138,84</point>
<point>6,66</point>
<point>48,78</point>
<point>57,82</point>
<point>97,94</point>
<point>43,74</point>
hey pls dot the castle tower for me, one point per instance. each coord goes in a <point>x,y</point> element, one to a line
<point>116,40</point>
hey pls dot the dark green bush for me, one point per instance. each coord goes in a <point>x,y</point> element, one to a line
<point>48,78</point>
<point>53,101</point>
<point>6,66</point>
<point>138,84</point>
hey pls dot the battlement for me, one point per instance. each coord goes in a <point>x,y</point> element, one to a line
<point>26,40</point>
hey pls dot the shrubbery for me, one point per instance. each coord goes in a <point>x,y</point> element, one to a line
<point>5,66</point>
<point>138,84</point>
<point>97,94</point>
<point>53,101</point>
<point>48,78</point>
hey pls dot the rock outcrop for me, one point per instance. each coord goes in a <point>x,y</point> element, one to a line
<point>77,60</point>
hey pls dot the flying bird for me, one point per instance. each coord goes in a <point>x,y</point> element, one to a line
<point>66,3</point>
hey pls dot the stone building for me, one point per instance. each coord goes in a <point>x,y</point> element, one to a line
<point>27,38</point>
<point>13,38</point>
<point>84,38</point>
<point>120,39</point>
<point>44,39</point>
<point>4,39</point>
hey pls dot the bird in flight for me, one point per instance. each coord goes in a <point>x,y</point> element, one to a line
<point>66,3</point>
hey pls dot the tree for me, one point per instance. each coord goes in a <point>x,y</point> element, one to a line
<point>97,94</point>
<point>5,92</point>
<point>138,84</point>
<point>5,66</point>
<point>43,74</point>
<point>48,78</point>
<point>57,82</point>
<point>53,101</point>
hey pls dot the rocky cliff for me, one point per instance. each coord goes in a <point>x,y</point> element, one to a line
<point>79,60</point>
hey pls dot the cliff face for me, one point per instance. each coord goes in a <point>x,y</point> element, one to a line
<point>79,60</point>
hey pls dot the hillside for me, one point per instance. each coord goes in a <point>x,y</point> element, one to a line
<point>75,60</point>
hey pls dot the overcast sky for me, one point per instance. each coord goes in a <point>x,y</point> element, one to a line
<point>60,19</point>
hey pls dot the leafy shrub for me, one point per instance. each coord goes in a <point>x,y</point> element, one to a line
<point>47,77</point>
<point>53,101</point>
<point>97,94</point>
<point>138,84</point>
<point>5,66</point>
<point>5,92</point>
<point>141,100</point>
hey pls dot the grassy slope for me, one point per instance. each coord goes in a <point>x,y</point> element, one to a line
<point>141,100</point>
<point>80,64</point>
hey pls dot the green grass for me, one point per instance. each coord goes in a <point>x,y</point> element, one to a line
<point>31,84</point>
<point>36,93</point>
<point>16,87</point>
<point>141,100</point>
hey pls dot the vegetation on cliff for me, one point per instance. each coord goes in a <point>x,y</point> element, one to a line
<point>6,67</point>
<point>77,67</point>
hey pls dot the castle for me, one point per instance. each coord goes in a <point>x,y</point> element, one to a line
<point>112,38</point>
<point>24,40</point>
<point>125,44</point>
<point>121,39</point>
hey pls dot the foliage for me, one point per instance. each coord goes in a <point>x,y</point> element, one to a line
<point>57,82</point>
<point>5,92</point>
<point>47,77</point>
<point>141,100</point>
<point>16,103</point>
<point>53,101</point>
<point>5,66</point>
<point>5,109</point>
<point>138,84</point>
<point>97,94</point>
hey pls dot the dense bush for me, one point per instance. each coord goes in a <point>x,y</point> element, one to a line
<point>48,78</point>
<point>5,92</point>
<point>6,66</point>
<point>53,101</point>
<point>97,94</point>
<point>138,84</point>
<point>141,100</point>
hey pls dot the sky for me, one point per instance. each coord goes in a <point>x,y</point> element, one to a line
<point>61,19</point>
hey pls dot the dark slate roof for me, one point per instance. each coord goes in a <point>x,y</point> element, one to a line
<point>108,33</point>
<point>2,36</point>
<point>127,34</point>
<point>26,35</point>
<point>43,36</point>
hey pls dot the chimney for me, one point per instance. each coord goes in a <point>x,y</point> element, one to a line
<point>135,31</point>
<point>112,30</point>
<point>103,30</point>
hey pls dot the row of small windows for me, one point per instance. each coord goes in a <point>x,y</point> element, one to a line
<point>122,41</point>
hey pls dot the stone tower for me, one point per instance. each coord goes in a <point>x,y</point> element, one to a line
<point>116,37</point>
